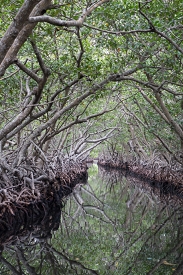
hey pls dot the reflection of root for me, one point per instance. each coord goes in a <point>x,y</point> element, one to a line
<point>164,178</point>
<point>4,225</point>
<point>30,197</point>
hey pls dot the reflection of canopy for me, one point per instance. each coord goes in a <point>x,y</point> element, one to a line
<point>123,221</point>
<point>36,221</point>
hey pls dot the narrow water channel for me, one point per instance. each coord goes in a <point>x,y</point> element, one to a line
<point>110,225</point>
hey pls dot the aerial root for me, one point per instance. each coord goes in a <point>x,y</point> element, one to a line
<point>169,180</point>
<point>32,192</point>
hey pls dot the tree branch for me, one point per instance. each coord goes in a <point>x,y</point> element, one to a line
<point>66,23</point>
<point>21,35</point>
<point>27,71</point>
<point>16,26</point>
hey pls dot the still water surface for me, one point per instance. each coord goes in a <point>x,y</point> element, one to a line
<point>111,225</point>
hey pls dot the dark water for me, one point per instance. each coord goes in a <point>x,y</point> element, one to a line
<point>111,225</point>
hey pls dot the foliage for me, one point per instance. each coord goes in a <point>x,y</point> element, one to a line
<point>114,65</point>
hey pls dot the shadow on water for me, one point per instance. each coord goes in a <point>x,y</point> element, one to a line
<point>110,225</point>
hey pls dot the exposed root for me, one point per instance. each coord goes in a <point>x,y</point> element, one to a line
<point>32,192</point>
<point>168,180</point>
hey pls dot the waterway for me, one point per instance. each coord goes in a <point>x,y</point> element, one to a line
<point>110,225</point>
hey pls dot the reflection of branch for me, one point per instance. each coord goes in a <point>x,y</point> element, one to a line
<point>143,234</point>
<point>150,236</point>
<point>86,207</point>
<point>179,269</point>
<point>9,266</point>
<point>97,209</point>
<point>160,262</point>
<point>21,256</point>
<point>94,197</point>
<point>72,262</point>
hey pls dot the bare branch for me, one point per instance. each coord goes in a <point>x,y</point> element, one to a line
<point>66,23</point>
<point>27,71</point>
<point>39,58</point>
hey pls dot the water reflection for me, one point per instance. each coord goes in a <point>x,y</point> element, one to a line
<point>112,225</point>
